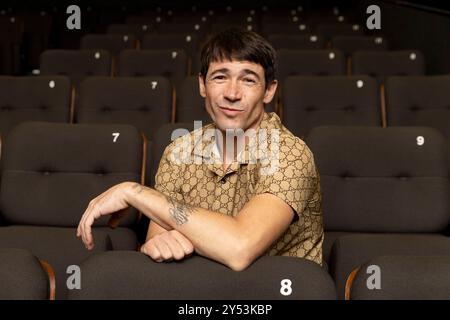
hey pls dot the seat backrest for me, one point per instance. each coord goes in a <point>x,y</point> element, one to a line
<point>419,101</point>
<point>70,165</point>
<point>44,98</point>
<point>156,280</point>
<point>300,42</point>
<point>76,64</point>
<point>381,64</point>
<point>350,44</point>
<point>144,102</point>
<point>190,104</point>
<point>167,63</point>
<point>113,43</point>
<point>382,179</point>
<point>331,30</point>
<point>287,27</point>
<point>311,101</point>
<point>310,63</point>
<point>198,28</point>
<point>138,30</point>
<point>187,42</point>
<point>404,278</point>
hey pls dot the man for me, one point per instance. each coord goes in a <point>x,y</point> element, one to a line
<point>230,203</point>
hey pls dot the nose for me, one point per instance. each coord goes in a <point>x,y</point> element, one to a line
<point>232,91</point>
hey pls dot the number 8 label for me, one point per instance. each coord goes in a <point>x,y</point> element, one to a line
<point>286,289</point>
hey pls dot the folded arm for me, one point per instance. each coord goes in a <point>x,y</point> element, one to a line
<point>234,241</point>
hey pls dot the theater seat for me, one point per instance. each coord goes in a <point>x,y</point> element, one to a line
<point>312,101</point>
<point>43,197</point>
<point>113,43</point>
<point>171,64</point>
<point>22,276</point>
<point>385,191</point>
<point>76,64</point>
<point>122,275</point>
<point>402,278</point>
<point>351,44</point>
<point>44,98</point>
<point>419,101</point>
<point>310,63</point>
<point>382,64</point>
<point>190,104</point>
<point>144,102</point>
<point>301,42</point>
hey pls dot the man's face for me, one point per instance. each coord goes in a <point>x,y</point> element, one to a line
<point>235,94</point>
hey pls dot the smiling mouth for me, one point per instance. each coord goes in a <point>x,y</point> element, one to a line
<point>231,109</point>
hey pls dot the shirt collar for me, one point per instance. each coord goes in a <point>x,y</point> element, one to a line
<point>205,145</point>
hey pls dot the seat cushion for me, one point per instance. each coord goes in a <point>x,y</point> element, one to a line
<point>405,278</point>
<point>350,252</point>
<point>21,276</point>
<point>121,238</point>
<point>58,246</point>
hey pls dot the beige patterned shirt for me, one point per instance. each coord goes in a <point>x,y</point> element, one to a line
<point>198,179</point>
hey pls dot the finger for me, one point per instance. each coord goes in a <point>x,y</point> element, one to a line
<point>163,248</point>
<point>184,242</point>
<point>83,219</point>
<point>88,231</point>
<point>80,227</point>
<point>152,251</point>
<point>174,246</point>
<point>86,226</point>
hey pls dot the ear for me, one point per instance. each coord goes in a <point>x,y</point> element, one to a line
<point>201,84</point>
<point>270,91</point>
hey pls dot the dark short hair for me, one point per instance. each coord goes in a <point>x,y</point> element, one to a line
<point>241,45</point>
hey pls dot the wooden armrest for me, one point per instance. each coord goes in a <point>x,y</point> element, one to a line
<point>349,283</point>
<point>51,278</point>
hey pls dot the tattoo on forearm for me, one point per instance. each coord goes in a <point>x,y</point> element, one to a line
<point>138,188</point>
<point>180,212</point>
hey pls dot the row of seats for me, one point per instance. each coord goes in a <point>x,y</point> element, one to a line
<point>386,192</point>
<point>115,43</point>
<point>207,24</point>
<point>78,64</point>
<point>305,102</point>
<point>141,29</point>
<point>25,34</point>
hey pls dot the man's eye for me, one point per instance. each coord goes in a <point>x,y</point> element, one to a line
<point>219,78</point>
<point>249,80</point>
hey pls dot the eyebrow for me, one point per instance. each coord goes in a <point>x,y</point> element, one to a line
<point>226,70</point>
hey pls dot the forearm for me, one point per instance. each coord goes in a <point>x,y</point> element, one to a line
<point>153,230</point>
<point>216,236</point>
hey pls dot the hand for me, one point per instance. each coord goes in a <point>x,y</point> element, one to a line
<point>111,201</point>
<point>167,246</point>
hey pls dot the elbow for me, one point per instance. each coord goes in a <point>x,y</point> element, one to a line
<point>240,259</point>
<point>238,265</point>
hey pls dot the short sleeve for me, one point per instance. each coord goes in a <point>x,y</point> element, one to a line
<point>167,177</point>
<point>294,179</point>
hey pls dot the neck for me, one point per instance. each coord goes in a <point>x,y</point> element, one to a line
<point>232,142</point>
